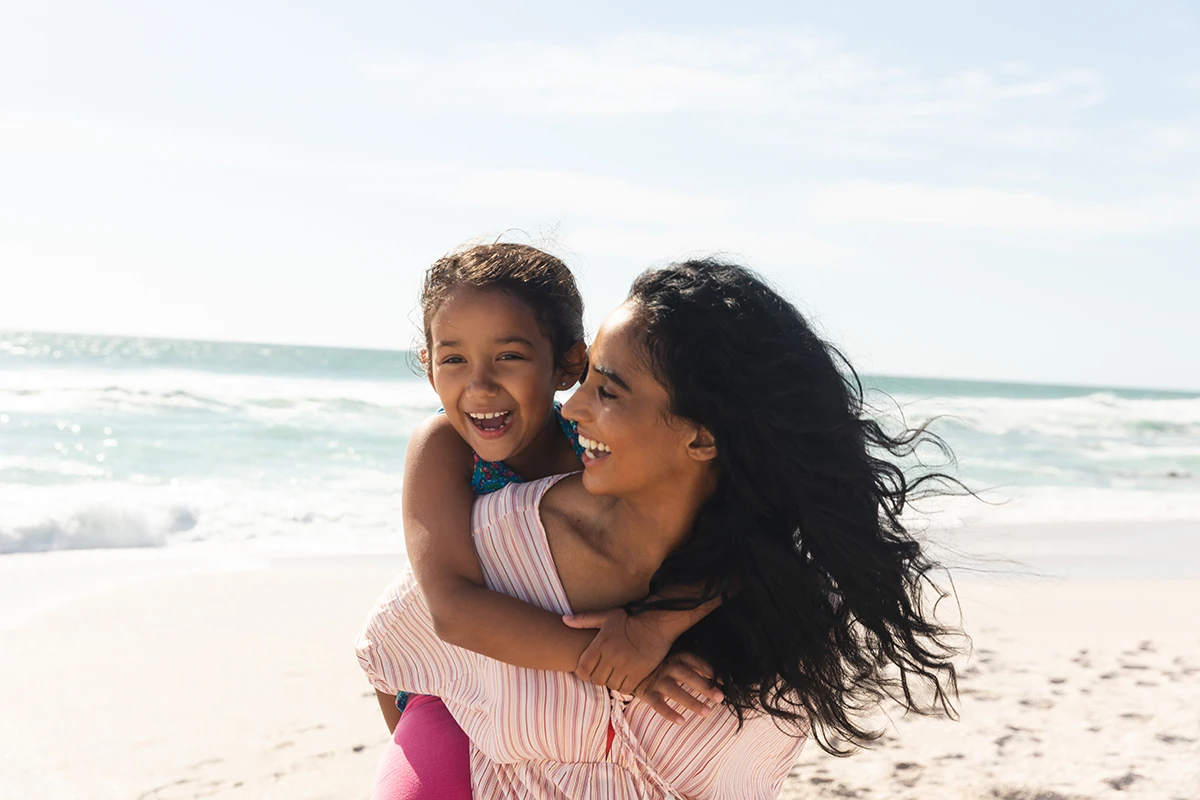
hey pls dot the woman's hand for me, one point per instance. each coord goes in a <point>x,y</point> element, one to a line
<point>625,651</point>
<point>682,681</point>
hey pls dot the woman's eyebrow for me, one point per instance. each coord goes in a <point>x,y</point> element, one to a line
<point>612,376</point>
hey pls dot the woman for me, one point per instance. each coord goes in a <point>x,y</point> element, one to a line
<point>725,451</point>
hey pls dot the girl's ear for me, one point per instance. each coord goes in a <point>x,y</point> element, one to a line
<point>425,365</point>
<point>574,365</point>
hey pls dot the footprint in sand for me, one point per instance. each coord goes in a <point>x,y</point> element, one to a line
<point>1170,738</point>
<point>1033,794</point>
<point>1013,730</point>
<point>1037,702</point>
<point>147,795</point>
<point>908,773</point>
<point>1124,782</point>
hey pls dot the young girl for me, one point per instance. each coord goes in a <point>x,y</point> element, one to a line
<point>503,330</point>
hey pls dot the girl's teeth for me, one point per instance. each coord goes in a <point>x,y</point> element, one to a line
<point>491,415</point>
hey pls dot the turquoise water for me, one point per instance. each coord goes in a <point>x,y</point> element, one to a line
<point>117,442</point>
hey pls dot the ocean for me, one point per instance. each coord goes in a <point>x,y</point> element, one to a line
<point>111,443</point>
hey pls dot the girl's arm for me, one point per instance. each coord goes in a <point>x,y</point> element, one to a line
<point>437,532</point>
<point>628,649</point>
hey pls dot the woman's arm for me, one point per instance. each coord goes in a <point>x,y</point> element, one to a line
<point>437,532</point>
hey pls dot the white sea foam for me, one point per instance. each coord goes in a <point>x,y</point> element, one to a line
<point>1102,414</point>
<point>356,514</point>
<point>83,390</point>
<point>1054,504</point>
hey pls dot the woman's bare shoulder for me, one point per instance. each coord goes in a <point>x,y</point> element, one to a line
<point>568,506</point>
<point>574,520</point>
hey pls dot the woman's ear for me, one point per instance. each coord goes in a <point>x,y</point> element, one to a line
<point>703,446</point>
<point>574,365</point>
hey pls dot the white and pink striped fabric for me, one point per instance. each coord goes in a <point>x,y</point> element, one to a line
<point>545,735</point>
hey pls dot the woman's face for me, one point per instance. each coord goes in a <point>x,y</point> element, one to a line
<point>634,444</point>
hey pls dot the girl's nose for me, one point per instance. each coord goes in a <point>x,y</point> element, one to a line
<point>482,381</point>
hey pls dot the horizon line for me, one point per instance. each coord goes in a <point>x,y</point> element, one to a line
<point>892,376</point>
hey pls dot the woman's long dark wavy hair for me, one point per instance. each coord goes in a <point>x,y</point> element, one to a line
<point>826,606</point>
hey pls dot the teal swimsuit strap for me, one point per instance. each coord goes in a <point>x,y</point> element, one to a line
<point>570,428</point>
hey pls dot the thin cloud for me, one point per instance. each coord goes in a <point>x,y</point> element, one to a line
<point>794,74</point>
<point>985,208</point>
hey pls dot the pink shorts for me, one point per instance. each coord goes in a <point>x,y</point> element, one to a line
<point>428,757</point>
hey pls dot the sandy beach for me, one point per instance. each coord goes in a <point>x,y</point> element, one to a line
<point>244,685</point>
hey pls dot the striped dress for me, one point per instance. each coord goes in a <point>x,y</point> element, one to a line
<point>549,735</point>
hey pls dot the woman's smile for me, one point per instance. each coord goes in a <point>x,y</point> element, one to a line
<point>593,451</point>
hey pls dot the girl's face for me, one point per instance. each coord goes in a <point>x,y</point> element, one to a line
<point>493,369</point>
<point>634,444</point>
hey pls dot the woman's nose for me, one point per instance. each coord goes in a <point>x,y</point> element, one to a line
<point>575,409</point>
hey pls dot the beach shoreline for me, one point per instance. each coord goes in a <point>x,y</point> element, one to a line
<point>244,684</point>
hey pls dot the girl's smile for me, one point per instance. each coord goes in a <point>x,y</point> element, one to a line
<point>491,424</point>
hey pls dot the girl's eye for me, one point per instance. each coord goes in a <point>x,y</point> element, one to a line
<point>605,394</point>
<point>511,357</point>
<point>453,360</point>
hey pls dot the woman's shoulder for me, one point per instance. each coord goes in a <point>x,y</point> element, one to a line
<point>511,543</point>
<point>516,501</point>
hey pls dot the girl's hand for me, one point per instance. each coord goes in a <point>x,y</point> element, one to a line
<point>676,683</point>
<point>625,651</point>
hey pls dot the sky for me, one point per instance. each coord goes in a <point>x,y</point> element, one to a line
<point>1005,190</point>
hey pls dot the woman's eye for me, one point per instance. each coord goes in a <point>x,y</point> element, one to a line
<point>605,394</point>
<point>511,357</point>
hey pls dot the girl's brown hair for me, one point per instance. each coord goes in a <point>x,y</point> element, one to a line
<point>536,278</point>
